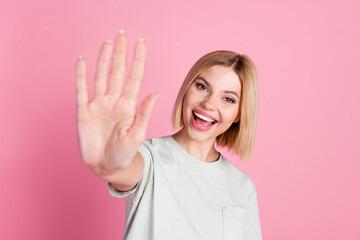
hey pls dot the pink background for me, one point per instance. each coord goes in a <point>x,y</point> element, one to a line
<point>306,162</point>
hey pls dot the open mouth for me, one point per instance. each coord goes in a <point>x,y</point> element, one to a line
<point>203,120</point>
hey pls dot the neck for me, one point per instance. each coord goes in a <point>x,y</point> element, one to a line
<point>202,150</point>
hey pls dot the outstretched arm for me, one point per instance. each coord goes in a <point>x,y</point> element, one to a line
<point>110,131</point>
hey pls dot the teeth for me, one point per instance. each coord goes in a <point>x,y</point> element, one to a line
<point>203,117</point>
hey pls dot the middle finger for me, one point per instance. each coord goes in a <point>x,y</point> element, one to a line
<point>119,65</point>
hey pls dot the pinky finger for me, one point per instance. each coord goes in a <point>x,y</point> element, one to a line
<point>81,86</point>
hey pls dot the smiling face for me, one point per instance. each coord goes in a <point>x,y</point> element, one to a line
<point>211,103</point>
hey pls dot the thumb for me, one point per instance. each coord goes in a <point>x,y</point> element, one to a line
<point>142,117</point>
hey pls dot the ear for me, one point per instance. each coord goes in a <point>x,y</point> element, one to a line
<point>237,119</point>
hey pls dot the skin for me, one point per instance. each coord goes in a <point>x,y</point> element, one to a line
<point>217,93</point>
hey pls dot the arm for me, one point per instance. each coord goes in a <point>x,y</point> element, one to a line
<point>125,179</point>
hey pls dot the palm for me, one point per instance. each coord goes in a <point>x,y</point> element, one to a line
<point>109,129</point>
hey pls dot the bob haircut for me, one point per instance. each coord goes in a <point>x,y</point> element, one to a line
<point>240,137</point>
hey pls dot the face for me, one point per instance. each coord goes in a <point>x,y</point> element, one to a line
<point>211,103</point>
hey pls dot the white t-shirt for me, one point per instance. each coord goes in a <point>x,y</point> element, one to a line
<point>181,197</point>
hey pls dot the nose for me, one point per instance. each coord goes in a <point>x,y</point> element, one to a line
<point>209,102</point>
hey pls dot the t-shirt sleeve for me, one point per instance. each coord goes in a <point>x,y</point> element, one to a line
<point>145,152</point>
<point>253,228</point>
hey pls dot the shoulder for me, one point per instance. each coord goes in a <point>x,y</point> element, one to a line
<point>238,177</point>
<point>156,145</point>
<point>157,142</point>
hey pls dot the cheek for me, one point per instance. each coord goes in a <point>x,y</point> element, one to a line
<point>230,114</point>
<point>187,105</point>
<point>191,98</point>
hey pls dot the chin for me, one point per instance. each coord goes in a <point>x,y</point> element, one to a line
<point>199,136</point>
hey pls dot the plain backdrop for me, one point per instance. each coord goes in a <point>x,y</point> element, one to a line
<point>305,165</point>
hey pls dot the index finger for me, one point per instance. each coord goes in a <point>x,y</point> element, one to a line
<point>137,72</point>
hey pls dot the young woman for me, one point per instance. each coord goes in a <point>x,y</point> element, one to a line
<point>178,186</point>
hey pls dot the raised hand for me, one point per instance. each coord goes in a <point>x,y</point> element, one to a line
<point>109,129</point>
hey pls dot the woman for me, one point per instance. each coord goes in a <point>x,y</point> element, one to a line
<point>179,186</point>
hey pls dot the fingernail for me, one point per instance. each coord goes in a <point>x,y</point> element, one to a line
<point>156,94</point>
<point>109,41</point>
<point>122,31</point>
<point>141,39</point>
<point>81,57</point>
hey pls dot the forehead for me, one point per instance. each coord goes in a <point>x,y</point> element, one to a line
<point>222,76</point>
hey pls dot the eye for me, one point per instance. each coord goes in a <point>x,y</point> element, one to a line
<point>201,86</point>
<point>230,100</point>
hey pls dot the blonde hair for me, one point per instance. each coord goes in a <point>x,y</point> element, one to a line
<point>240,137</point>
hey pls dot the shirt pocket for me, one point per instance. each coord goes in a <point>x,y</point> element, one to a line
<point>233,220</point>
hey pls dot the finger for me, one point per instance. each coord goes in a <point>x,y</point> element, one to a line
<point>102,69</point>
<point>81,86</point>
<point>136,73</point>
<point>119,65</point>
<point>138,129</point>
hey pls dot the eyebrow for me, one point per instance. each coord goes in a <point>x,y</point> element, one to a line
<point>226,91</point>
